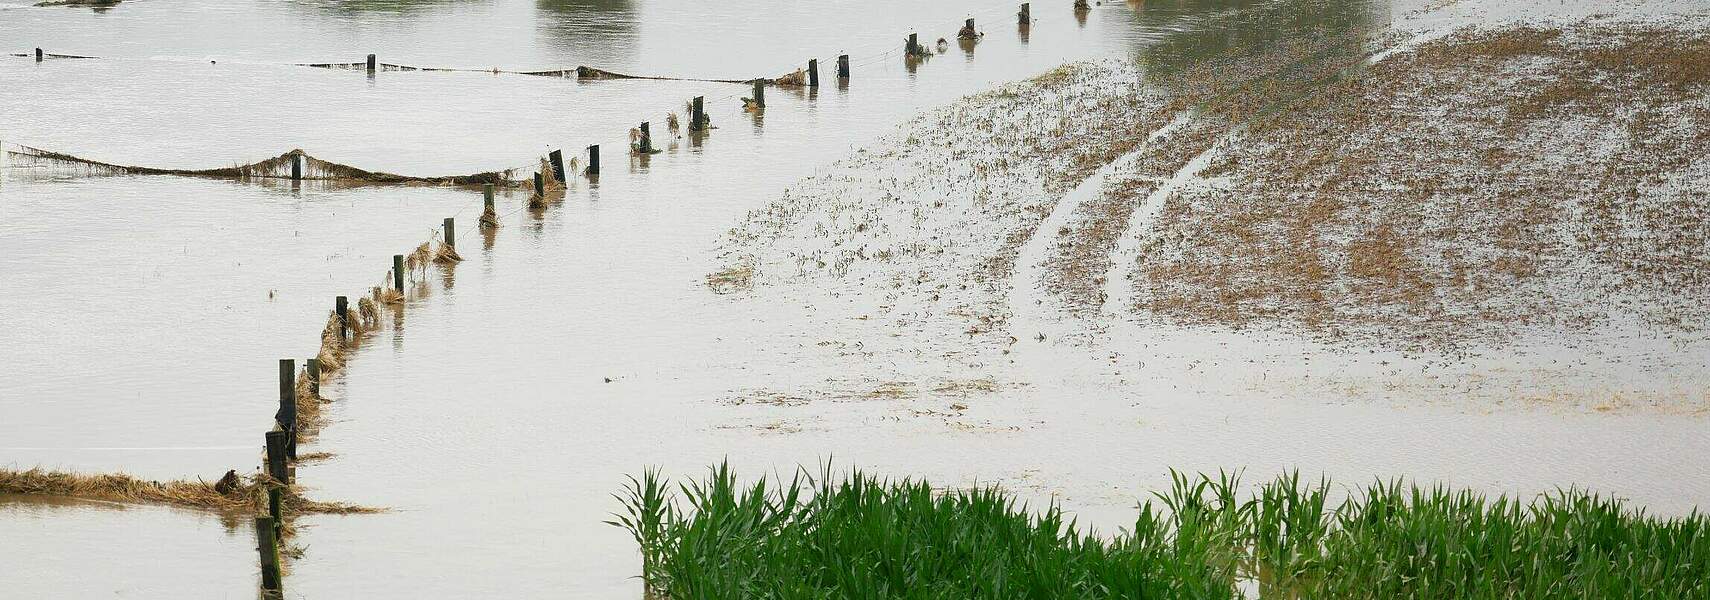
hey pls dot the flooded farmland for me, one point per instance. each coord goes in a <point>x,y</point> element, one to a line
<point>1018,261</point>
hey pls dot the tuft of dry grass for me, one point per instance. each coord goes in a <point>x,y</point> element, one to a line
<point>199,494</point>
<point>735,278</point>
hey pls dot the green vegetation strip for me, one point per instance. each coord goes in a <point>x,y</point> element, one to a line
<point>859,536</point>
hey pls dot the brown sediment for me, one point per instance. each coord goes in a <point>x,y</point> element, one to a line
<point>278,167</point>
<point>1487,181</point>
<point>118,487</point>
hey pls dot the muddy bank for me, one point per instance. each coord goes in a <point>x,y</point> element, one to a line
<point>1493,216</point>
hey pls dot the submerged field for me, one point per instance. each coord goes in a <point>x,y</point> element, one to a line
<point>857,535</point>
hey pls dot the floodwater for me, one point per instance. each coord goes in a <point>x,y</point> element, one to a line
<point>499,410</point>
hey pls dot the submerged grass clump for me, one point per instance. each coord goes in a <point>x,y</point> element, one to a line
<point>859,536</point>
<point>240,494</point>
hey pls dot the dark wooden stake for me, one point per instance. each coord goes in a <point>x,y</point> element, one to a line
<point>451,233</point>
<point>313,368</point>
<point>38,55</point>
<point>594,159</point>
<point>296,167</point>
<point>646,138</point>
<point>268,540</point>
<point>698,117</point>
<point>276,465</point>
<point>487,195</point>
<point>843,66</point>
<point>813,72</point>
<point>1025,17</point>
<point>398,272</point>
<point>341,305</point>
<point>539,185</point>
<point>287,415</point>
<point>371,63</point>
<point>760,93</point>
<point>276,506</point>
<point>912,48</point>
<point>557,157</point>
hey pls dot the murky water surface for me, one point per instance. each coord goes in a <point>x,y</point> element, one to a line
<point>495,415</point>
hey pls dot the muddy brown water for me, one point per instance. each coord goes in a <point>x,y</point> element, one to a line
<point>143,315</point>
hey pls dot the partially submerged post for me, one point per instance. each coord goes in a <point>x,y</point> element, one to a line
<point>268,540</point>
<point>539,185</point>
<point>371,63</point>
<point>759,93</point>
<point>813,72</point>
<point>843,66</point>
<point>287,415</point>
<point>489,217</point>
<point>296,166</point>
<point>451,232</point>
<point>912,46</point>
<point>341,305</point>
<point>645,144</point>
<point>38,55</point>
<point>594,159</point>
<point>698,115</point>
<point>312,367</point>
<point>398,272</point>
<point>276,465</point>
<point>557,157</point>
<point>1025,17</point>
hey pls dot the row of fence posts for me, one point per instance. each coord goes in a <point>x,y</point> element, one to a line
<point>282,438</point>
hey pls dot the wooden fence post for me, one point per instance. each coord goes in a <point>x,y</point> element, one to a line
<point>398,273</point>
<point>813,72</point>
<point>594,159</point>
<point>371,63</point>
<point>341,305</point>
<point>912,48</point>
<point>451,233</point>
<point>698,115</point>
<point>539,185</point>
<point>557,157</point>
<point>843,66</point>
<point>296,166</point>
<point>646,143</point>
<point>1025,17</point>
<point>760,93</point>
<point>313,368</point>
<point>268,544</point>
<point>287,415</point>
<point>277,467</point>
<point>38,55</point>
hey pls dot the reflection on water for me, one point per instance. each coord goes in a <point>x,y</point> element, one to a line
<point>1235,29</point>
<point>59,548</point>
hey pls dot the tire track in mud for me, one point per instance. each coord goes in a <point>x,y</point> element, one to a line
<point>1037,312</point>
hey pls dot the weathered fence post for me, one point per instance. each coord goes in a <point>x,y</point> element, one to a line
<point>557,157</point>
<point>296,166</point>
<point>646,142</point>
<point>277,468</point>
<point>912,48</point>
<point>38,55</point>
<point>341,305</point>
<point>698,115</point>
<point>268,544</point>
<point>398,272</point>
<point>312,367</point>
<point>813,72</point>
<point>287,415</point>
<point>276,506</point>
<point>1025,17</point>
<point>760,93</point>
<point>371,63</point>
<point>451,233</point>
<point>539,185</point>
<point>594,159</point>
<point>843,66</point>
